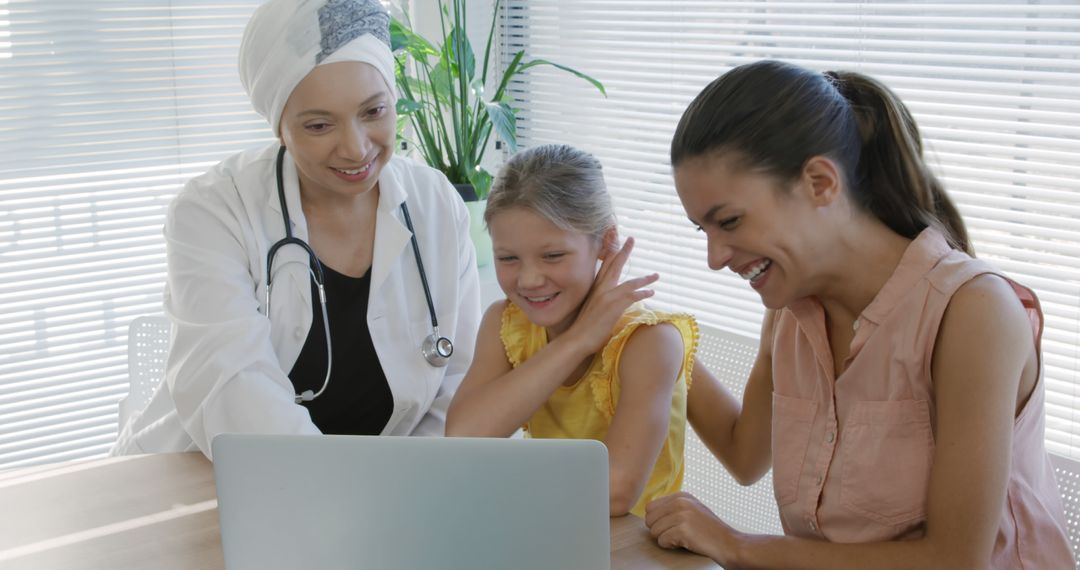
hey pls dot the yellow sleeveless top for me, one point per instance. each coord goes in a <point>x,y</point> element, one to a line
<point>585,410</point>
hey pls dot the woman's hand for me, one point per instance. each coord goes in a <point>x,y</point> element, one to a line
<point>681,521</point>
<point>608,300</point>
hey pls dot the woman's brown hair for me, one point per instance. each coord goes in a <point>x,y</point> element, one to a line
<point>773,116</point>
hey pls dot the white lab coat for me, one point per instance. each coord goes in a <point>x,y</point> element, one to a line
<point>228,365</point>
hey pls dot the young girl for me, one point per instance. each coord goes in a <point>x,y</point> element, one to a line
<point>897,393</point>
<point>571,353</point>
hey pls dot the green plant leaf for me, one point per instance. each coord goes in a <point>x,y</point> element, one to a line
<point>446,98</point>
<point>407,106</point>
<point>458,40</point>
<point>537,62</point>
<point>505,122</point>
<point>403,38</point>
<point>481,180</point>
<point>441,84</point>
<point>490,37</point>
<point>477,87</point>
<point>512,69</point>
<point>417,90</point>
<point>399,129</point>
<point>399,35</point>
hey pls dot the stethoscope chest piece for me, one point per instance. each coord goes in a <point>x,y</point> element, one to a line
<point>437,349</point>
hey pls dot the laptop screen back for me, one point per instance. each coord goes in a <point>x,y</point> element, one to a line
<point>411,503</point>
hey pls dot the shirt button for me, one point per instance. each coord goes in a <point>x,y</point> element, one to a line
<point>829,437</point>
<point>299,332</point>
<point>813,526</point>
<point>855,325</point>
<point>819,480</point>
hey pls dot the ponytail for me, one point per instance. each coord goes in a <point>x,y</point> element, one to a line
<point>773,117</point>
<point>892,178</point>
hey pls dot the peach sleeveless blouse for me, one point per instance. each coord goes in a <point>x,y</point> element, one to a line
<point>852,454</point>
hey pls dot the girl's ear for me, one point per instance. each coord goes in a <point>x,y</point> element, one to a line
<point>609,242</point>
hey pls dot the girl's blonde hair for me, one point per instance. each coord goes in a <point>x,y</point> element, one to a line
<point>558,182</point>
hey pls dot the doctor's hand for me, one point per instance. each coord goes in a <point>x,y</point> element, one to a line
<point>608,300</point>
<point>681,521</point>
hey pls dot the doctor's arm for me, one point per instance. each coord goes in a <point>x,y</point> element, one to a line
<point>464,334</point>
<point>984,347</point>
<point>222,370</point>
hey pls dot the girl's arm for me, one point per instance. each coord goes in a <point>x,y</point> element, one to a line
<point>494,399</point>
<point>738,435</point>
<point>984,368</point>
<point>648,369</point>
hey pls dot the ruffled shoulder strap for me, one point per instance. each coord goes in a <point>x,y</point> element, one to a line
<point>604,389</point>
<point>520,337</point>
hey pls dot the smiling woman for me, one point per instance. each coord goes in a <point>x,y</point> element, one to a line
<point>326,214</point>
<point>898,392</point>
<point>338,125</point>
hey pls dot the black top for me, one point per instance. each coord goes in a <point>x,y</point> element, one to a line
<point>358,400</point>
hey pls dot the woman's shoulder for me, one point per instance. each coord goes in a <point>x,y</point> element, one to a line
<point>419,170</point>
<point>249,171</point>
<point>430,195</point>
<point>421,180</point>
<point>225,193</point>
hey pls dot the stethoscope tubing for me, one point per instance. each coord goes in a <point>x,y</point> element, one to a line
<point>436,349</point>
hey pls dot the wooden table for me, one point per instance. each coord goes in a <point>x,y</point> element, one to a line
<point>160,511</point>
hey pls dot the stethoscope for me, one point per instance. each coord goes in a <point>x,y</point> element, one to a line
<point>436,348</point>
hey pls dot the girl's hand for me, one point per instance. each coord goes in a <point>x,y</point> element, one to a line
<point>681,521</point>
<point>608,300</point>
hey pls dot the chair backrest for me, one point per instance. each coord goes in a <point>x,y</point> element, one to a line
<point>148,347</point>
<point>729,356</point>
<point>1067,471</point>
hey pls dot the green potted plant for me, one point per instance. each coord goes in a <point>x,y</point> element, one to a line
<point>444,98</point>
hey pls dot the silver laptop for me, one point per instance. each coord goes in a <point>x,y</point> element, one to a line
<point>406,503</point>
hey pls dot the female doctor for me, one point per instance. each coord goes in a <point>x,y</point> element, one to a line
<point>256,244</point>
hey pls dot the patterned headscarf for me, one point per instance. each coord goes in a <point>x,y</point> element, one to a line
<point>286,39</point>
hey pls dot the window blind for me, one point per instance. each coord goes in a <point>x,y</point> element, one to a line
<point>994,86</point>
<point>108,108</point>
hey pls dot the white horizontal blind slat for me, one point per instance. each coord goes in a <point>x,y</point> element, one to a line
<point>108,108</point>
<point>993,85</point>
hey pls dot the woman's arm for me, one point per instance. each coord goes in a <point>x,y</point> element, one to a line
<point>222,371</point>
<point>984,366</point>
<point>648,369</point>
<point>738,435</point>
<point>495,400</point>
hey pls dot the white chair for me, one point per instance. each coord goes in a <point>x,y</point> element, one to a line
<point>148,347</point>
<point>729,356</point>
<point>1067,471</point>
